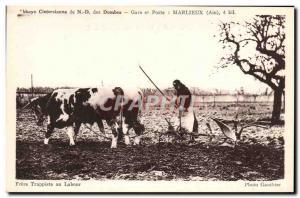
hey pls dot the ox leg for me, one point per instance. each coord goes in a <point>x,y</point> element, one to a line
<point>125,132</point>
<point>70,133</point>
<point>114,127</point>
<point>127,140</point>
<point>76,130</point>
<point>48,133</point>
<point>138,129</point>
<point>137,140</point>
<point>101,127</point>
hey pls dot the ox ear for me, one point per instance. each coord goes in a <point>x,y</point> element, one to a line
<point>118,91</point>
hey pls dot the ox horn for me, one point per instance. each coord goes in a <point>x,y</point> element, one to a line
<point>26,106</point>
<point>29,103</point>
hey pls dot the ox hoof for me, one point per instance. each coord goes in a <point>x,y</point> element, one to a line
<point>114,142</point>
<point>137,140</point>
<point>46,141</point>
<point>113,146</point>
<point>72,143</point>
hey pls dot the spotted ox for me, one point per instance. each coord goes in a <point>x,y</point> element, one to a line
<point>72,107</point>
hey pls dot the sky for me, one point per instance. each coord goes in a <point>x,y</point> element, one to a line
<point>84,51</point>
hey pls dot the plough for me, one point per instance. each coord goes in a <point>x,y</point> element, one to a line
<point>233,134</point>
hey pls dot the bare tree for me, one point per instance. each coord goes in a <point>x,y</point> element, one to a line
<point>257,47</point>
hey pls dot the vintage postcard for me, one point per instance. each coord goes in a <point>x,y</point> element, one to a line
<point>150,99</point>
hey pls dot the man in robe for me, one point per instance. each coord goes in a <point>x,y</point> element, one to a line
<point>187,119</point>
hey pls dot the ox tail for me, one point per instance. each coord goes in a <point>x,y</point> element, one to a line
<point>195,126</point>
<point>142,101</point>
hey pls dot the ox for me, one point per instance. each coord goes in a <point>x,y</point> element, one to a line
<point>72,107</point>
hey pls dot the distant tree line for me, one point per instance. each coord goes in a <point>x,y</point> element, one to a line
<point>168,91</point>
<point>39,89</point>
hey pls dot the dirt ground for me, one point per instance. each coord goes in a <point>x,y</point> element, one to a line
<point>259,155</point>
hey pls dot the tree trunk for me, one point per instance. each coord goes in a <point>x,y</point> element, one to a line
<point>277,105</point>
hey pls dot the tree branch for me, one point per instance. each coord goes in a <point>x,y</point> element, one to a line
<point>259,30</point>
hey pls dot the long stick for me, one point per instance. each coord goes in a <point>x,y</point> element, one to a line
<point>31,76</point>
<point>152,81</point>
<point>162,93</point>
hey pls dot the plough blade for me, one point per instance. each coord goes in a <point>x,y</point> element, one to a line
<point>225,129</point>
